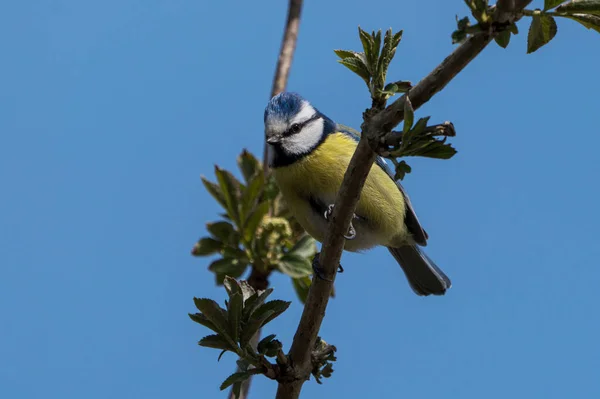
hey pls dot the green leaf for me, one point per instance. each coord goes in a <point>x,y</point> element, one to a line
<point>420,126</point>
<point>243,364</point>
<point>542,30</point>
<point>478,9</point>
<point>390,42</point>
<point>295,266</point>
<point>214,190</point>
<point>301,286</point>
<point>271,348</point>
<point>589,21</point>
<point>251,195</point>
<point>402,168</point>
<point>402,86</point>
<point>254,220</point>
<point>206,246</point>
<point>224,265</point>
<point>277,306</point>
<point>391,88</point>
<point>357,67</point>
<point>223,231</point>
<point>349,54</point>
<point>377,48</point>
<point>409,115</point>
<point>239,377</point>
<point>581,7</point>
<point>503,39</point>
<point>371,53</point>
<point>513,29</point>
<point>548,4</point>
<point>252,326</point>
<point>201,319</point>
<point>397,38</point>
<point>249,165</point>
<point>459,36</point>
<point>462,23</point>
<point>217,342</point>
<point>438,150</point>
<point>253,302</point>
<point>263,314</point>
<point>230,189</point>
<point>227,267</point>
<point>234,312</point>
<point>236,254</point>
<point>306,247</point>
<point>214,313</point>
<point>261,348</point>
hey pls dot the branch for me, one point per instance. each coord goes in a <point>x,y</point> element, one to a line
<point>373,129</point>
<point>259,280</point>
<point>387,119</point>
<point>286,54</point>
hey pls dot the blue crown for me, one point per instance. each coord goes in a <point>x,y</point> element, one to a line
<point>284,105</point>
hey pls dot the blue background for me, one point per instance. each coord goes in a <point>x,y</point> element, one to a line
<point>109,113</point>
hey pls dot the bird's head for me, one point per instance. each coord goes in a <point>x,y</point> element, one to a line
<point>293,127</point>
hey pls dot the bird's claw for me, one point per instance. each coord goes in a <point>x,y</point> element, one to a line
<point>351,235</point>
<point>319,270</point>
<point>329,211</point>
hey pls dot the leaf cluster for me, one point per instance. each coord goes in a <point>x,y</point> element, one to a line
<point>372,63</point>
<point>245,312</point>
<point>249,234</point>
<point>323,356</point>
<point>485,16</point>
<point>419,139</point>
<point>543,26</point>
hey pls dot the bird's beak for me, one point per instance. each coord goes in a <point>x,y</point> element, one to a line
<point>273,139</point>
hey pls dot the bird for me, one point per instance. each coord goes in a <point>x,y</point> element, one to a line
<point>308,154</point>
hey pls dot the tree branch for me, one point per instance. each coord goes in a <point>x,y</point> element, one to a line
<point>373,129</point>
<point>286,54</point>
<point>257,279</point>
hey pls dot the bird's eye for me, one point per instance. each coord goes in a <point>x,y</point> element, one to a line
<point>295,128</point>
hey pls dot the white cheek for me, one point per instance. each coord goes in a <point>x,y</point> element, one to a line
<point>306,140</point>
<point>305,113</point>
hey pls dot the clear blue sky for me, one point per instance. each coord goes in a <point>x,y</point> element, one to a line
<point>109,113</point>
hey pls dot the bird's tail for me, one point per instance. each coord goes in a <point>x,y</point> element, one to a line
<point>423,275</point>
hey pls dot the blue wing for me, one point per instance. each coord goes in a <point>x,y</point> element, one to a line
<point>411,220</point>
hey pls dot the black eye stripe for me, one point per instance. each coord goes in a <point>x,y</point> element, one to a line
<point>291,131</point>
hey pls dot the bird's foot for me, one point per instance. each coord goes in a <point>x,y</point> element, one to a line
<point>319,270</point>
<point>351,235</point>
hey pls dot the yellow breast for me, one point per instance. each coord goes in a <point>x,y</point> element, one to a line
<point>320,175</point>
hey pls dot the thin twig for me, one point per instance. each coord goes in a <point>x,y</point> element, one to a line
<point>286,54</point>
<point>258,280</point>
<point>360,165</point>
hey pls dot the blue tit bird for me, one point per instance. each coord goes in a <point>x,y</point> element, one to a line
<point>309,154</point>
